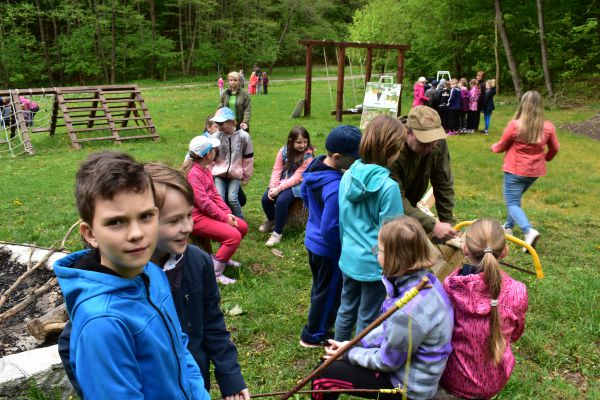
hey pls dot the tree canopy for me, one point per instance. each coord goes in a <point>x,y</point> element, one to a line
<point>61,42</point>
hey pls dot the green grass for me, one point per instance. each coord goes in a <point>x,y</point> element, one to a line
<point>558,355</point>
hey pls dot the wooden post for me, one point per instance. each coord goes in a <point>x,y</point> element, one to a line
<point>54,118</point>
<point>20,120</point>
<point>400,78</point>
<point>339,104</point>
<point>368,66</point>
<point>308,84</point>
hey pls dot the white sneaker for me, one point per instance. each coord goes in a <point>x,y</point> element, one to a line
<point>223,280</point>
<point>274,239</point>
<point>531,238</point>
<point>266,226</point>
<point>234,264</point>
<point>218,266</point>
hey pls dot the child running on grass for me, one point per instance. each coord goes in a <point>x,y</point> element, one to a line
<point>367,198</point>
<point>212,218</point>
<point>126,340</point>
<point>489,315</point>
<point>322,240</point>
<point>234,162</point>
<point>284,186</point>
<point>524,140</point>
<point>410,349</point>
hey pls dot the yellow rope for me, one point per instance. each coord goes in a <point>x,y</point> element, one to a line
<point>408,296</point>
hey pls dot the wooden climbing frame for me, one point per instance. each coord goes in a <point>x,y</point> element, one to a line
<point>401,48</point>
<point>90,113</point>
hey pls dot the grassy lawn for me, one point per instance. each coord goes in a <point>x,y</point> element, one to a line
<point>557,357</point>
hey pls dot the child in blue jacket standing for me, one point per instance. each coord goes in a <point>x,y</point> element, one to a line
<point>367,198</point>
<point>320,187</point>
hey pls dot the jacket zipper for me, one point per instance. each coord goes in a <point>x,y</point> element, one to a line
<point>162,317</point>
<point>230,157</point>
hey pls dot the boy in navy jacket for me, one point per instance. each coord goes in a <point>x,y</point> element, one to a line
<point>320,186</point>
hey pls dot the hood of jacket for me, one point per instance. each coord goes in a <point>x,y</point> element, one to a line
<point>80,285</point>
<point>470,293</point>
<point>365,180</point>
<point>318,174</point>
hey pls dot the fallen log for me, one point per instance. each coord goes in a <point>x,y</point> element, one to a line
<point>48,324</point>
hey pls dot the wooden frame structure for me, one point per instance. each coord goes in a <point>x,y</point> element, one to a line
<point>97,108</point>
<point>401,48</point>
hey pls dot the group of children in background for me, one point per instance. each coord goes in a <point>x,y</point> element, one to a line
<point>364,254</point>
<point>459,104</point>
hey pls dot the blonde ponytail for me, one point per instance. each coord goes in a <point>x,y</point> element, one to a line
<point>485,242</point>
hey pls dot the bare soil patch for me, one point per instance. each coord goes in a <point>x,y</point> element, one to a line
<point>590,128</point>
<point>14,336</point>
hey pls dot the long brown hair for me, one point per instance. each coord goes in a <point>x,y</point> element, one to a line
<point>405,247</point>
<point>384,137</point>
<point>531,117</point>
<point>296,157</point>
<point>485,242</point>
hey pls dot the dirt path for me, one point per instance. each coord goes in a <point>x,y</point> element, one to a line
<point>195,85</point>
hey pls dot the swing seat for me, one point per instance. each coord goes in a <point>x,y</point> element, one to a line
<point>357,110</point>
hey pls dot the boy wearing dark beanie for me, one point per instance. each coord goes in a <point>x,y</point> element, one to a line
<point>320,186</point>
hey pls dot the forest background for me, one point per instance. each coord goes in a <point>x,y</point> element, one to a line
<point>76,42</point>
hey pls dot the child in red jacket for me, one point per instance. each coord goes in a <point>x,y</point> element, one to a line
<point>213,219</point>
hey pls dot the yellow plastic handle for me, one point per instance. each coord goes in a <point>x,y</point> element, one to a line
<point>534,255</point>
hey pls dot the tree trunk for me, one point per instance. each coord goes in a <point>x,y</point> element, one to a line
<point>99,48</point>
<point>282,38</point>
<point>547,79</point>
<point>152,10</point>
<point>497,56</point>
<point>193,39</point>
<point>512,64</point>
<point>44,41</point>
<point>181,51</point>
<point>113,50</point>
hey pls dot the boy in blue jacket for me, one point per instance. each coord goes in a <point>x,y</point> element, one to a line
<point>320,186</point>
<point>126,340</point>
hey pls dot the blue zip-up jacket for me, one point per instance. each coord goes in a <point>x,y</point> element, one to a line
<point>385,348</point>
<point>368,197</point>
<point>126,340</point>
<point>319,190</point>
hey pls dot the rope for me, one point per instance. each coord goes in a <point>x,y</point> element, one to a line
<point>327,74</point>
<point>352,79</point>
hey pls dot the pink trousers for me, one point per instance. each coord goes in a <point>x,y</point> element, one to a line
<point>228,236</point>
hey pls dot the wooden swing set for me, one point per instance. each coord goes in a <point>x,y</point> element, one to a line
<point>89,113</point>
<point>341,61</point>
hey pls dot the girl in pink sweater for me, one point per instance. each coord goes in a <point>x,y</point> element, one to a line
<point>525,140</point>
<point>489,314</point>
<point>286,177</point>
<point>213,219</point>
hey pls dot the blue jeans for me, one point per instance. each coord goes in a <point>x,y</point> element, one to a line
<point>278,209</point>
<point>513,188</point>
<point>487,118</point>
<point>228,190</point>
<point>361,304</point>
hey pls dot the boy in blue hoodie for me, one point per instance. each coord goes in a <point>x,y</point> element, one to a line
<point>321,182</point>
<point>126,339</point>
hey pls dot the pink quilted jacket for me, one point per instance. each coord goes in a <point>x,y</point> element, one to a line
<point>469,372</point>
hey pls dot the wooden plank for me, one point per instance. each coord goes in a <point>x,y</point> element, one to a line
<point>63,107</point>
<point>18,114</point>
<point>111,123</point>
<point>358,45</point>
<point>128,128</point>
<point>339,103</point>
<point>400,78</point>
<point>92,129</point>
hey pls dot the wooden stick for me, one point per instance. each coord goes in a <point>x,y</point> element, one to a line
<point>29,299</point>
<point>397,305</point>
<point>273,394</point>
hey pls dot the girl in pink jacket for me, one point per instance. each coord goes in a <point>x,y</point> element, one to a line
<point>213,219</point>
<point>420,99</point>
<point>489,314</point>
<point>286,177</point>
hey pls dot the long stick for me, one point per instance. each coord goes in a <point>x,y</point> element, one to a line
<point>386,391</point>
<point>408,296</point>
